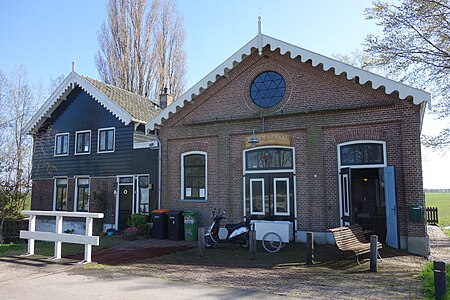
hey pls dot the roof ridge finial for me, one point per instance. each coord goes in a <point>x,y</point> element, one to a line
<point>259,24</point>
<point>73,66</point>
<point>260,42</point>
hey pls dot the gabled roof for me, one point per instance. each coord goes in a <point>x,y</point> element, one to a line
<point>124,105</point>
<point>260,41</point>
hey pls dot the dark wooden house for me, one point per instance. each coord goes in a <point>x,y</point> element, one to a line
<point>91,154</point>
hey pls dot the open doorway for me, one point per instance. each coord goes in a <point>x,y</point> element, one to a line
<point>368,200</point>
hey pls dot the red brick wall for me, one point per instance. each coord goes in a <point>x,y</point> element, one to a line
<point>320,110</point>
<point>42,196</point>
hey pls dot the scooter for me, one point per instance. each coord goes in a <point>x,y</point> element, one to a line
<point>236,233</point>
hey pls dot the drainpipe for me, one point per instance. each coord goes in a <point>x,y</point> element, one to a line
<point>159,167</point>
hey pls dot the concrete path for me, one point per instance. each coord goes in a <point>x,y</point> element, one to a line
<point>439,243</point>
<point>39,278</point>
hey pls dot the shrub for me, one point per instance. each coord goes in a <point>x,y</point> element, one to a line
<point>139,221</point>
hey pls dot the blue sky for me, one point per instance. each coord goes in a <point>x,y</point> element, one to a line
<point>47,35</point>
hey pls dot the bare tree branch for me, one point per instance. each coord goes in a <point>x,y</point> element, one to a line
<point>141,47</point>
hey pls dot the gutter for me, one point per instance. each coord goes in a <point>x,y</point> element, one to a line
<point>155,137</point>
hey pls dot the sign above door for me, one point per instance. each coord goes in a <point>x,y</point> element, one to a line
<point>269,139</point>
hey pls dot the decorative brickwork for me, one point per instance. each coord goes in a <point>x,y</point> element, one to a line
<point>320,110</point>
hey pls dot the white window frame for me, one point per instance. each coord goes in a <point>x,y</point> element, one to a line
<point>383,143</point>
<point>68,144</point>
<point>98,139</point>
<point>75,202</point>
<point>384,164</point>
<point>76,142</point>
<point>55,191</point>
<point>138,196</point>
<point>287,170</point>
<point>205,154</point>
<point>263,197</point>
<point>288,213</point>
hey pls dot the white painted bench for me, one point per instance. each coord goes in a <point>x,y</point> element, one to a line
<point>58,236</point>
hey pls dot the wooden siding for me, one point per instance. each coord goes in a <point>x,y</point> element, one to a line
<point>81,112</point>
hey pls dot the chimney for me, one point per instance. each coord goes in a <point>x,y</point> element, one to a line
<point>165,99</point>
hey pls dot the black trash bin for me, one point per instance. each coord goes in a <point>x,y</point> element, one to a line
<point>159,219</point>
<point>175,224</point>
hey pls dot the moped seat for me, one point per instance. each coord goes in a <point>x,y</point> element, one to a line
<point>231,227</point>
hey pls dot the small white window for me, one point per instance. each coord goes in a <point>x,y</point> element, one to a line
<point>82,194</point>
<point>194,176</point>
<point>281,195</point>
<point>62,144</point>
<point>106,140</point>
<point>257,196</point>
<point>60,194</point>
<point>83,142</point>
<point>144,194</point>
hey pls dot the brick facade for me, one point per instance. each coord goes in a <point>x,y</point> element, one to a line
<point>101,196</point>
<point>319,110</point>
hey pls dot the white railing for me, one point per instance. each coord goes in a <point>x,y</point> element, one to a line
<point>58,236</point>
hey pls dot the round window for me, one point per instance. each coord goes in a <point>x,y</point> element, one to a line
<point>268,89</point>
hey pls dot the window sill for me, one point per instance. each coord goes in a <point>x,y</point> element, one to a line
<point>194,200</point>
<point>106,151</point>
<point>61,155</point>
<point>82,153</point>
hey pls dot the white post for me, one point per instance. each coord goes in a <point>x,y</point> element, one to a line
<point>58,229</point>
<point>88,247</point>
<point>31,228</point>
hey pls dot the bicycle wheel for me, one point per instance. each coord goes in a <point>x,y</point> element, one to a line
<point>271,242</point>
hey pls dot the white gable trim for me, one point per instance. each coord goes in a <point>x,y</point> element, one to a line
<point>327,63</point>
<point>60,94</point>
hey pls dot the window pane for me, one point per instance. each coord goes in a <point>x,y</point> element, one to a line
<point>281,196</point>
<point>61,193</point>
<point>194,176</point>
<point>86,142</point>
<point>102,140</point>
<point>257,196</point>
<point>106,140</point>
<point>61,181</point>
<point>126,180</point>
<point>110,140</point>
<point>273,158</point>
<point>61,144</point>
<point>362,154</point>
<point>83,181</point>
<point>83,142</point>
<point>65,144</point>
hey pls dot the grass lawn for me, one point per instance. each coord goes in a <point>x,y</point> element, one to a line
<point>47,248</point>
<point>442,202</point>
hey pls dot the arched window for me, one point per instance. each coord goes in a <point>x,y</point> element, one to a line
<point>194,175</point>
<point>269,159</point>
<point>362,153</point>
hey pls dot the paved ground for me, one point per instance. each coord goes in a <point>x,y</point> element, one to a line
<point>136,250</point>
<point>40,278</point>
<point>439,243</point>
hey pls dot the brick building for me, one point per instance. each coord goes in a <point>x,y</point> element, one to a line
<point>279,133</point>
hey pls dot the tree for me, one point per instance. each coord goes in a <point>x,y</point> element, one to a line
<point>15,147</point>
<point>141,47</point>
<point>415,47</point>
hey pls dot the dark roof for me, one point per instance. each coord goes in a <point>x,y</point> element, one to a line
<point>141,108</point>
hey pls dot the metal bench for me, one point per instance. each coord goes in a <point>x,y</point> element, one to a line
<point>352,239</point>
